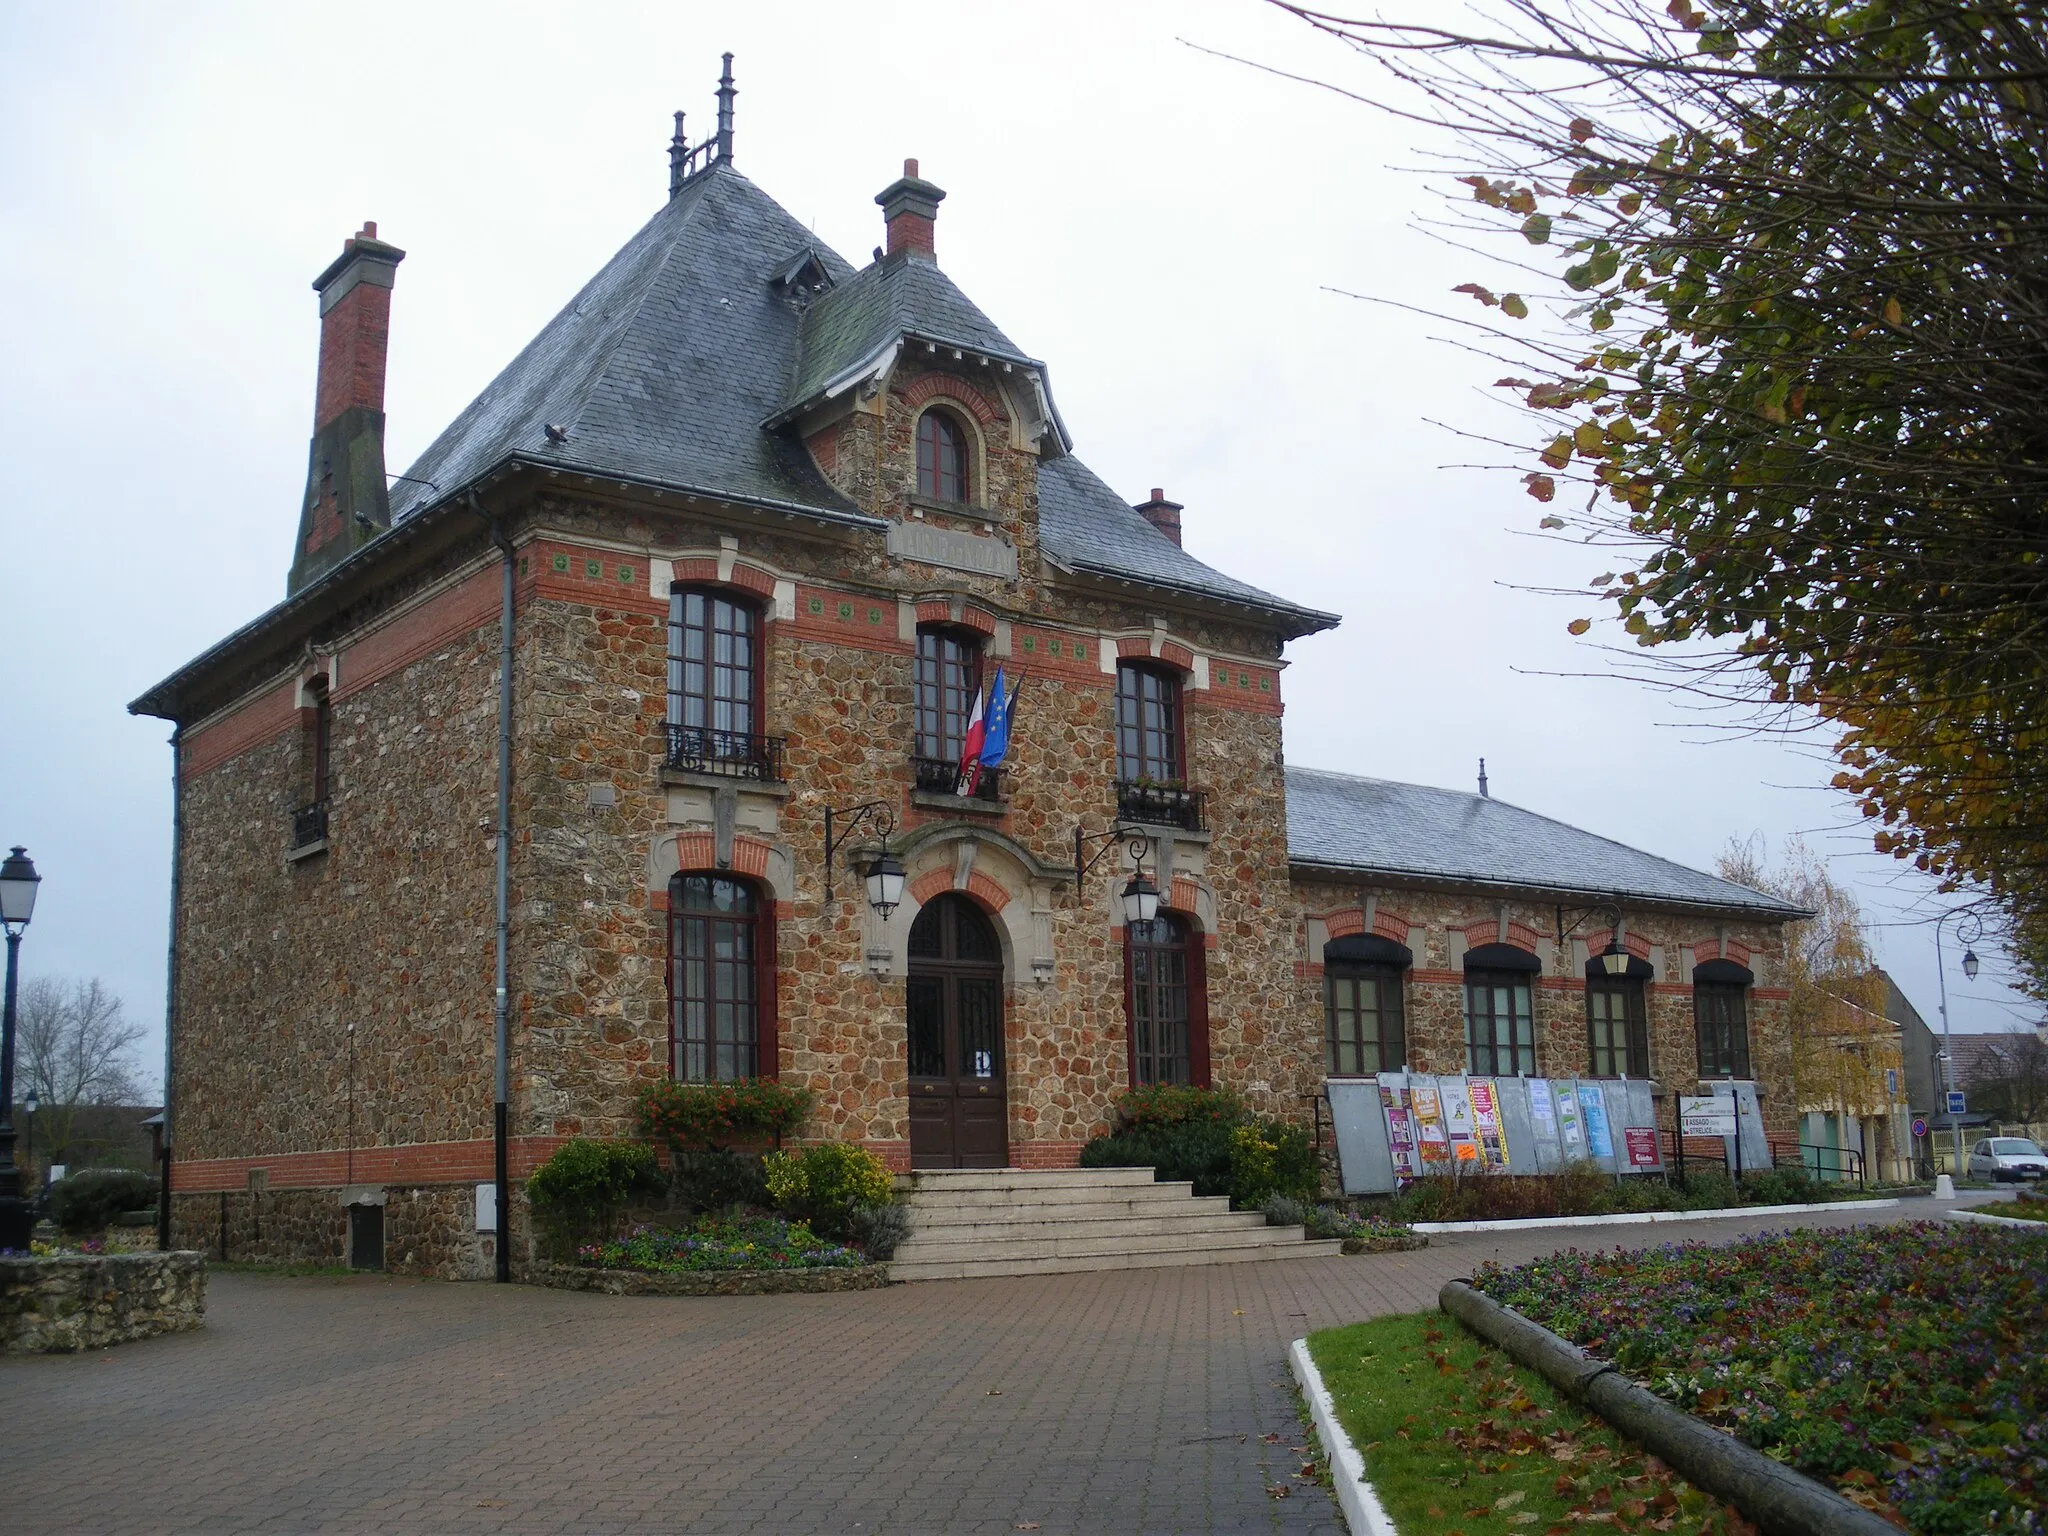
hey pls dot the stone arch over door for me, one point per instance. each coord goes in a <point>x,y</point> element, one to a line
<point>954,1036</point>
<point>997,874</point>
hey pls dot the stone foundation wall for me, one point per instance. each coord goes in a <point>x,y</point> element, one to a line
<point>89,1301</point>
<point>429,1230</point>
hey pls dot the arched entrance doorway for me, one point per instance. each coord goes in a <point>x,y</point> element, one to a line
<point>958,1114</point>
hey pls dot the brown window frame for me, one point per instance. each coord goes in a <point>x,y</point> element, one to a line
<point>1386,1048</point>
<point>1630,1056</point>
<point>944,454</point>
<point>323,742</point>
<point>1722,981</point>
<point>1487,968</point>
<point>943,703</point>
<point>1143,952</point>
<point>757,1054</point>
<point>1153,751</point>
<point>742,715</point>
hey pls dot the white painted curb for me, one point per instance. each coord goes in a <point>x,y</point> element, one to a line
<point>1362,1509</point>
<point>1637,1218</point>
<point>1990,1220</point>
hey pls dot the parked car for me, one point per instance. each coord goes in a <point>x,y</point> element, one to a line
<point>2002,1158</point>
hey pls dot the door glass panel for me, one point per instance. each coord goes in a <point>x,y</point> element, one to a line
<point>927,1022</point>
<point>981,1028</point>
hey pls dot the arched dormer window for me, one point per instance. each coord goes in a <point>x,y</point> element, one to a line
<point>942,460</point>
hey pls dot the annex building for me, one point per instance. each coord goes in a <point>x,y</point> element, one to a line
<point>732,544</point>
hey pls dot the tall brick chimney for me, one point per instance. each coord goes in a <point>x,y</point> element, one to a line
<point>347,503</point>
<point>910,207</point>
<point>1161,514</point>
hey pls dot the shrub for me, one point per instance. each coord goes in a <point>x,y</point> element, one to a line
<point>1195,1150</point>
<point>1270,1158</point>
<point>1284,1211</point>
<point>760,1242</point>
<point>1783,1186</point>
<point>578,1193</point>
<point>717,1181</point>
<point>86,1201</point>
<point>825,1183</point>
<point>878,1230</point>
<point>712,1117</point>
<point>1164,1105</point>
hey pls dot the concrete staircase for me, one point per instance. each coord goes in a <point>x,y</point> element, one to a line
<point>1007,1221</point>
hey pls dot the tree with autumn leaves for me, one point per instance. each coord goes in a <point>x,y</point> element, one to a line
<point>1793,256</point>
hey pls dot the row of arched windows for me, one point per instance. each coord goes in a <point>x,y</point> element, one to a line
<point>1364,1003</point>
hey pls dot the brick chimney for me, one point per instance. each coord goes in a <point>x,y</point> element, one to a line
<point>347,503</point>
<point>1161,514</point>
<point>910,207</point>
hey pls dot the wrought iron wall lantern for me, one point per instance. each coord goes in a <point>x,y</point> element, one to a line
<point>1141,891</point>
<point>882,874</point>
<point>1615,957</point>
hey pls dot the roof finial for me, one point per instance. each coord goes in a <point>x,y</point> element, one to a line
<point>725,96</point>
<point>678,158</point>
<point>1482,780</point>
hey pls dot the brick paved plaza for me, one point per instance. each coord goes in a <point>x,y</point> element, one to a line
<point>1126,1402</point>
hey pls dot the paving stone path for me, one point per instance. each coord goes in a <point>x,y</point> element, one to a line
<point>1129,1402</point>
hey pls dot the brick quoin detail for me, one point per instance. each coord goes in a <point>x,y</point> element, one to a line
<point>753,579</point>
<point>1344,923</point>
<point>978,619</point>
<point>695,850</point>
<point>943,385</point>
<point>750,857</point>
<point>933,883</point>
<point>1179,655</point>
<point>697,570</point>
<point>1184,895</point>
<point>987,892</point>
<point>1133,647</point>
<point>1520,935</point>
<point>1635,943</point>
<point>1389,925</point>
<point>935,612</point>
<point>1711,949</point>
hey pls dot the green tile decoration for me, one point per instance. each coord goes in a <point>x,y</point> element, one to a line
<point>593,569</point>
<point>816,605</point>
<point>561,562</point>
<point>625,573</point>
<point>874,615</point>
<point>846,610</point>
<point>1030,643</point>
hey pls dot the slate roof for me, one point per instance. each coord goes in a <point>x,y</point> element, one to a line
<point>667,364</point>
<point>856,318</point>
<point>662,369</point>
<point>1337,820</point>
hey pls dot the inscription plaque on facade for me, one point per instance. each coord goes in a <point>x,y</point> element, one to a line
<point>956,551</point>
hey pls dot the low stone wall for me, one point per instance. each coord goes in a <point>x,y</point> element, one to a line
<point>709,1282</point>
<point>87,1301</point>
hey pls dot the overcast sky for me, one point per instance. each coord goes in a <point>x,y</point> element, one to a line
<point>1160,225</point>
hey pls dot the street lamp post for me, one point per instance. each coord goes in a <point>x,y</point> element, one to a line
<point>18,882</point>
<point>1973,929</point>
<point>30,1103</point>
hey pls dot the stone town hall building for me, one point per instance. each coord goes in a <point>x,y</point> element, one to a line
<point>770,519</point>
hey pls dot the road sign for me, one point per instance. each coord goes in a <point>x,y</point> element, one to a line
<point>1707,1116</point>
<point>1891,1082</point>
<point>1957,1104</point>
<point>1919,1127</point>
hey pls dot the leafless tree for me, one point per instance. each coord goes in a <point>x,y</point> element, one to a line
<point>76,1048</point>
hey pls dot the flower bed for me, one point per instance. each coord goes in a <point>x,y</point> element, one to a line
<point>1370,1233</point>
<point>760,1243</point>
<point>1585,1190</point>
<point>1907,1365</point>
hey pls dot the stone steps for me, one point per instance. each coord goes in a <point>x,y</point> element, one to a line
<point>1022,1222</point>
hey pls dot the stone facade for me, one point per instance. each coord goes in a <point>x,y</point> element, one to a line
<point>333,1030</point>
<point>69,1302</point>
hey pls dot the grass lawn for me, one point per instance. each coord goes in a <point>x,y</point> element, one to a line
<point>1460,1441</point>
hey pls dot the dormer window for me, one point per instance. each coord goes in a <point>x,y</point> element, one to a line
<point>941,458</point>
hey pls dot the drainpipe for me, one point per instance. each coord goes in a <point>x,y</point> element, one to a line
<point>163,1172</point>
<point>502,996</point>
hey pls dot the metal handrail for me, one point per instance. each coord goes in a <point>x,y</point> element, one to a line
<point>731,754</point>
<point>942,776</point>
<point>309,825</point>
<point>1161,805</point>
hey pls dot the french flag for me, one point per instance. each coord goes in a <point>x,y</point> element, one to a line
<point>970,751</point>
<point>988,735</point>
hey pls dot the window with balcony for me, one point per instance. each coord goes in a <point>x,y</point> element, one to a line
<point>1151,752</point>
<point>714,687</point>
<point>948,683</point>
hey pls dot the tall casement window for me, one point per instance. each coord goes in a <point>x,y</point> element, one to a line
<point>1166,989</point>
<point>721,978</point>
<point>1617,1020</point>
<point>1365,1029</point>
<point>714,674</point>
<point>948,679</point>
<point>309,820</point>
<point>941,457</point>
<point>1500,1022</point>
<point>1720,1013</point>
<point>1148,725</point>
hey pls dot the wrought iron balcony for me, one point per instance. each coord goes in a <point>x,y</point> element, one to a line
<point>941,776</point>
<point>1160,805</point>
<point>734,754</point>
<point>309,824</point>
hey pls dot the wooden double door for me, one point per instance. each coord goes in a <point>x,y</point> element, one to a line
<point>959,1113</point>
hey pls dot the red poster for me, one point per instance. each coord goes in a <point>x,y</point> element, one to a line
<point>1642,1146</point>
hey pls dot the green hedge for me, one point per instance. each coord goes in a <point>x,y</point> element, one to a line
<point>826,1184</point>
<point>86,1201</point>
<point>578,1194</point>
